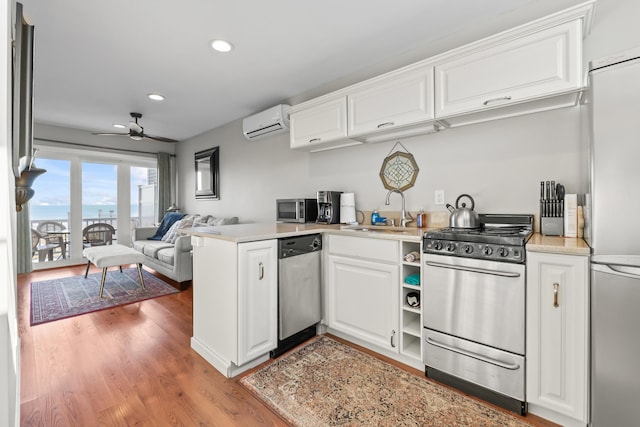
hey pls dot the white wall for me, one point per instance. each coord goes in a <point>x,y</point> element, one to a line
<point>499,163</point>
<point>615,28</point>
<point>9,340</point>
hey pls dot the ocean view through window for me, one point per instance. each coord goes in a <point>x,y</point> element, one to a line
<point>82,188</point>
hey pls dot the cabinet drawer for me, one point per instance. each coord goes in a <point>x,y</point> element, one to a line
<point>364,247</point>
<point>467,359</point>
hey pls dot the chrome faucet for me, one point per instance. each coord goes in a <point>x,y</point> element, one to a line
<point>405,217</point>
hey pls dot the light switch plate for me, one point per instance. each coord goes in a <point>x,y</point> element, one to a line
<point>439,197</point>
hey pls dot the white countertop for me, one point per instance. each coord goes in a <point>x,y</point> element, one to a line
<point>263,231</point>
<point>558,245</point>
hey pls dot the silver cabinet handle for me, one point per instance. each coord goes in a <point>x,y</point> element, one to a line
<point>473,269</point>
<point>502,98</point>
<point>260,271</point>
<point>393,334</point>
<point>311,141</point>
<point>556,287</point>
<point>500,363</point>
<point>381,125</point>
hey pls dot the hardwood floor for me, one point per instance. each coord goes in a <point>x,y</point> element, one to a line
<point>128,366</point>
<point>125,366</point>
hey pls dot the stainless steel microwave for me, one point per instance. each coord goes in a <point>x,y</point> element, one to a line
<point>296,210</point>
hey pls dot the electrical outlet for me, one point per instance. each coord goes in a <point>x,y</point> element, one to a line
<point>439,197</point>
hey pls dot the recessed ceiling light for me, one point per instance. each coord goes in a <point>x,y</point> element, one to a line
<point>221,45</point>
<point>119,126</point>
<point>156,97</point>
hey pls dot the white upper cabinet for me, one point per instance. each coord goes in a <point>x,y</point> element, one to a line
<point>536,66</point>
<point>320,126</point>
<point>383,106</point>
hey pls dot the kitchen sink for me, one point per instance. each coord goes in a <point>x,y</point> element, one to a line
<point>377,228</point>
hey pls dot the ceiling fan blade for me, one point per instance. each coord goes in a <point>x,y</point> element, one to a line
<point>160,138</point>
<point>110,133</point>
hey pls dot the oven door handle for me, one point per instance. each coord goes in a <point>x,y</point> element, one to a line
<point>473,269</point>
<point>500,363</point>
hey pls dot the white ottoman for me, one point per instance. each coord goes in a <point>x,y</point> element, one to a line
<point>112,255</point>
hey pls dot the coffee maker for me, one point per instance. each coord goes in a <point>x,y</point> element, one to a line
<point>328,207</point>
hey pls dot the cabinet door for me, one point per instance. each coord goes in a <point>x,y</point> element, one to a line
<point>557,333</point>
<point>400,99</point>
<point>257,299</point>
<point>541,64</point>
<point>319,125</point>
<point>363,300</point>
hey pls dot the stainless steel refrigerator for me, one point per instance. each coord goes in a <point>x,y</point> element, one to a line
<point>612,216</point>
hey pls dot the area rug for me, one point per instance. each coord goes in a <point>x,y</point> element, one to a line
<point>71,296</point>
<point>326,383</point>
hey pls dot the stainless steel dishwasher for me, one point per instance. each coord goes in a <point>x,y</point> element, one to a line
<point>299,301</point>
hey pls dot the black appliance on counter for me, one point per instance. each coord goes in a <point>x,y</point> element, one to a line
<point>328,207</point>
<point>474,308</point>
<point>296,210</point>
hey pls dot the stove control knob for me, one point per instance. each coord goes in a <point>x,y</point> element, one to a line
<point>467,249</point>
<point>488,250</point>
<point>503,251</point>
<point>437,246</point>
<point>450,247</point>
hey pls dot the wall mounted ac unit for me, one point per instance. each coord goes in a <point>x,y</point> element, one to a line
<point>266,123</point>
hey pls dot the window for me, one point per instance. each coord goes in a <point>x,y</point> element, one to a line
<point>83,187</point>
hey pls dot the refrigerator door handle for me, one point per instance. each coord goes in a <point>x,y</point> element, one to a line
<point>618,270</point>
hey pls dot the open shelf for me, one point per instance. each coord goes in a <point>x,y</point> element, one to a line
<point>411,323</point>
<point>411,346</point>
<point>410,317</point>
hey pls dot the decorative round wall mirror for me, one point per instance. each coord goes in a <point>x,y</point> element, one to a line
<point>399,170</point>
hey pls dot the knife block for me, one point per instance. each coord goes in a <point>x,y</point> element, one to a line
<point>552,226</point>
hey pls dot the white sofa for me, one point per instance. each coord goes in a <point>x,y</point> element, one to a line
<point>173,260</point>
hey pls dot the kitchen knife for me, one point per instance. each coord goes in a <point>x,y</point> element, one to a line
<point>554,198</point>
<point>542,198</point>
<point>547,197</point>
<point>561,199</point>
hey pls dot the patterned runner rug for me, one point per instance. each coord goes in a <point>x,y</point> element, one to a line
<point>70,296</point>
<point>326,383</point>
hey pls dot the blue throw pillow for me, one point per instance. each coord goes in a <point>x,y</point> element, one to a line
<point>165,225</point>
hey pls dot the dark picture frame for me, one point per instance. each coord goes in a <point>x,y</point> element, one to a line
<point>207,165</point>
<point>22,92</point>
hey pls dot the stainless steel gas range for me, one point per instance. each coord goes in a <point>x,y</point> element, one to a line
<point>474,308</point>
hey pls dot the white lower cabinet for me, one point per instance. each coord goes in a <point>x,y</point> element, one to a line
<point>558,337</point>
<point>257,299</point>
<point>363,300</point>
<point>234,302</point>
<point>362,293</point>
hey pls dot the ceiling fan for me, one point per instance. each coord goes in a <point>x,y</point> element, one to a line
<point>136,132</point>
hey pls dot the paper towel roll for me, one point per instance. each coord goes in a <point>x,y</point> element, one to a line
<point>347,199</point>
<point>347,208</point>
